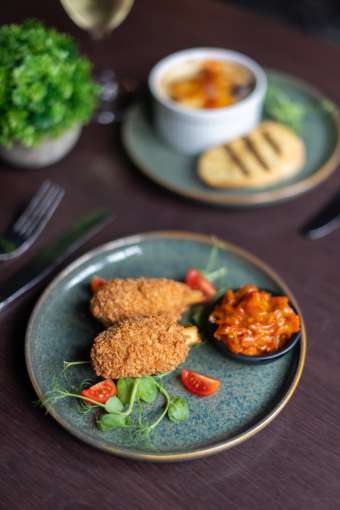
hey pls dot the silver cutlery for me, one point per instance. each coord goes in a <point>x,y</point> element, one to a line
<point>51,256</point>
<point>22,234</point>
<point>325,221</point>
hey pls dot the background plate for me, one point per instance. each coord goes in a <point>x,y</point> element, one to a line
<point>177,172</point>
<point>61,329</point>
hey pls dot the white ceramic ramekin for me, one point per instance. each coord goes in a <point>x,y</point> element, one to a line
<point>192,131</point>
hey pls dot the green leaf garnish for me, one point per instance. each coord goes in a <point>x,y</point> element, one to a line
<point>113,405</point>
<point>217,274</point>
<point>328,106</point>
<point>178,410</point>
<point>118,411</point>
<point>147,389</point>
<point>111,421</point>
<point>197,315</point>
<point>85,408</point>
<point>280,107</point>
<point>212,260</point>
<point>124,388</point>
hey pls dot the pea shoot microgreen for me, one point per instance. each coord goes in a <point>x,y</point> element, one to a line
<point>84,407</point>
<point>178,410</point>
<point>119,411</point>
<point>147,389</point>
<point>215,274</point>
<point>68,364</point>
<point>124,388</point>
<point>328,106</point>
<point>113,405</point>
<point>212,260</point>
<point>111,421</point>
<point>212,271</point>
<point>280,107</point>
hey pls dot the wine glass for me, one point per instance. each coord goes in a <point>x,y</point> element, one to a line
<point>99,18</point>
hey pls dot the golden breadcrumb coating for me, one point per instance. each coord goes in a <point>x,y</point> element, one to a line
<point>139,346</point>
<point>132,297</point>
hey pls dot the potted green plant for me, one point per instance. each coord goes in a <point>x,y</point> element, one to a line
<point>46,94</point>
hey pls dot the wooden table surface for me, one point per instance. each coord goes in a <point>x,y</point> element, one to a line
<point>295,462</point>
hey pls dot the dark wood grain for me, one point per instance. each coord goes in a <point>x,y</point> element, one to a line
<point>295,462</point>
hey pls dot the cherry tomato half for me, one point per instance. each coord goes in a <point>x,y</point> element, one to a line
<point>197,281</point>
<point>199,384</point>
<point>97,282</point>
<point>101,391</point>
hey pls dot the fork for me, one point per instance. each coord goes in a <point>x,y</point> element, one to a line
<point>21,235</point>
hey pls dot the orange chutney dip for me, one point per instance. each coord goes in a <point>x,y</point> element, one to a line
<point>254,322</point>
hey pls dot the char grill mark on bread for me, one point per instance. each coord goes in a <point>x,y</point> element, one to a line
<point>234,157</point>
<point>270,153</point>
<point>271,141</point>
<point>251,147</point>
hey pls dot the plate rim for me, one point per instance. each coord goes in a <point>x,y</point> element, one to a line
<point>200,451</point>
<point>262,198</point>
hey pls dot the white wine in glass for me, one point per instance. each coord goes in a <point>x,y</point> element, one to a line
<point>99,18</point>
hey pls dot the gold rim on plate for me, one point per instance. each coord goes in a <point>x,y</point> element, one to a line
<point>265,197</point>
<point>199,452</point>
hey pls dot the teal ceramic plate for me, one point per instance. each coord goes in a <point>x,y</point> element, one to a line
<point>250,397</point>
<point>177,172</point>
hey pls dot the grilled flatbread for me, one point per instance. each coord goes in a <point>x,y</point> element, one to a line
<point>268,154</point>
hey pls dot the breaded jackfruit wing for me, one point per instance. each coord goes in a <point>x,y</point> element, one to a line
<point>142,297</point>
<point>141,346</point>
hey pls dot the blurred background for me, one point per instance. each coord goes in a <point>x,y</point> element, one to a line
<point>319,17</point>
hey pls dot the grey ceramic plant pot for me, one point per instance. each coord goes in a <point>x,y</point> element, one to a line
<point>47,152</point>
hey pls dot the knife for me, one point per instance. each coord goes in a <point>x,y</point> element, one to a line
<point>51,256</point>
<point>325,221</point>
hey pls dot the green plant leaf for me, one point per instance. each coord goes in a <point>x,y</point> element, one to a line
<point>113,405</point>
<point>198,315</point>
<point>215,275</point>
<point>124,388</point>
<point>45,84</point>
<point>280,107</point>
<point>178,410</point>
<point>111,421</point>
<point>147,389</point>
<point>84,408</point>
<point>328,106</point>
